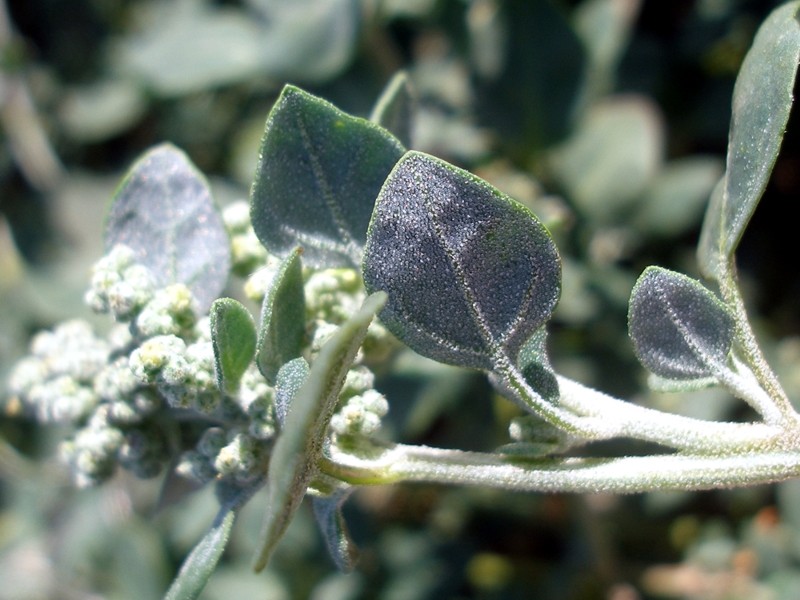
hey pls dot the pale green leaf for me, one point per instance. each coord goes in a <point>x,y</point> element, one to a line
<point>200,564</point>
<point>163,210</point>
<point>611,158</point>
<point>762,101</point>
<point>293,463</point>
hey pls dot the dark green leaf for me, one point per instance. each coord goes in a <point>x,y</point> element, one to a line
<point>328,512</point>
<point>233,335</point>
<point>680,330</point>
<point>283,326</point>
<point>395,108</point>
<point>470,273</point>
<point>163,210</point>
<point>762,100</point>
<point>534,365</point>
<point>530,101</point>
<point>293,463</point>
<point>319,172</point>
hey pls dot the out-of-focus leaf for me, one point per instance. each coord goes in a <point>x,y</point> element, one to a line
<point>394,110</point>
<point>530,94</point>
<point>233,336</point>
<point>679,329</point>
<point>283,326</point>
<point>308,40</point>
<point>163,210</point>
<point>675,200</point>
<point>100,111</point>
<point>470,273</point>
<point>604,27</point>
<point>762,100</point>
<point>611,158</point>
<point>319,173</point>
<point>328,512</point>
<point>188,46</point>
<point>293,463</point>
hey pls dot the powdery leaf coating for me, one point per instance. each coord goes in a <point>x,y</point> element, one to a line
<point>294,459</point>
<point>470,273</point>
<point>319,172</point>
<point>164,212</point>
<point>680,330</point>
<point>762,101</point>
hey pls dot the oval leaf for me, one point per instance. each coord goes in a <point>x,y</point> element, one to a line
<point>298,448</point>
<point>163,210</point>
<point>319,172</point>
<point>680,330</point>
<point>289,380</point>
<point>283,326</point>
<point>470,273</point>
<point>233,336</point>
<point>762,100</point>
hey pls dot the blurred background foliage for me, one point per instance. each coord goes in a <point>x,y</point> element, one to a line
<point>607,117</point>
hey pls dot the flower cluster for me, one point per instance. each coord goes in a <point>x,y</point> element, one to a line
<point>157,366</point>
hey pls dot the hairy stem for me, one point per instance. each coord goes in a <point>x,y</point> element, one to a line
<point>402,463</point>
<point>751,349</point>
<point>674,431</point>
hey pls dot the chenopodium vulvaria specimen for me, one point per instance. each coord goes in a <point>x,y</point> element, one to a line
<point>455,269</point>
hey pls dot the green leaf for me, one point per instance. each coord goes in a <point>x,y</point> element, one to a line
<point>680,330</point>
<point>233,336</point>
<point>319,172</point>
<point>200,564</point>
<point>288,382</point>
<point>283,327</point>
<point>470,273</point>
<point>328,512</point>
<point>163,210</point>
<point>394,110</point>
<point>534,364</point>
<point>531,102</point>
<point>611,158</point>
<point>192,46</point>
<point>676,198</point>
<point>294,459</point>
<point>762,100</point>
<point>308,40</point>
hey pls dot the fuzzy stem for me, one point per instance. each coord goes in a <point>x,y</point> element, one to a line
<point>753,355</point>
<point>401,463</point>
<point>675,431</point>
